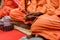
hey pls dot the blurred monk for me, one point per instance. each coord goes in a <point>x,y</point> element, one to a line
<point>31,4</point>
<point>22,16</point>
<point>48,25</point>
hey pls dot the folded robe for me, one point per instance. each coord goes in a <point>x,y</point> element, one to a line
<point>47,26</point>
<point>17,15</point>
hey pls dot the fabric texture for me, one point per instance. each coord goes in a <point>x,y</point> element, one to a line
<point>47,26</point>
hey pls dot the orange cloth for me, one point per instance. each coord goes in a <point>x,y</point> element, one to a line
<point>52,6</point>
<point>47,26</point>
<point>41,6</point>
<point>44,6</point>
<point>31,6</point>
<point>37,6</point>
<point>10,3</point>
<point>17,15</point>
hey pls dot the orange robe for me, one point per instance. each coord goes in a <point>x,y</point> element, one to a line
<point>17,15</point>
<point>31,6</point>
<point>47,26</point>
<point>52,6</point>
<point>10,3</point>
<point>44,6</point>
<point>41,6</point>
<point>37,6</point>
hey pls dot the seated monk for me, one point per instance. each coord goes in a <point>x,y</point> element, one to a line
<point>47,26</point>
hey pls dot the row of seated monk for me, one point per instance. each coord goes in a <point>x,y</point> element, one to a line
<point>46,25</point>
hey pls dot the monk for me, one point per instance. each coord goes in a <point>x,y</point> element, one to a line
<point>48,25</point>
<point>15,15</point>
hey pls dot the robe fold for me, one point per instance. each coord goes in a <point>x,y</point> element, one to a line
<point>47,26</point>
<point>18,15</point>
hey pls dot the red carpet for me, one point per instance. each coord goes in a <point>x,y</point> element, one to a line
<point>11,35</point>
